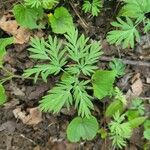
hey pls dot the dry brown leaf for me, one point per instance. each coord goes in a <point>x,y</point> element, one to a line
<point>21,35</point>
<point>34,116</point>
<point>137,87</point>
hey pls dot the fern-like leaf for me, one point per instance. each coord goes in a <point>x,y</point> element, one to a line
<point>49,51</point>
<point>93,7</point>
<point>58,97</point>
<point>85,55</point>
<point>82,99</point>
<point>135,9</point>
<point>125,35</point>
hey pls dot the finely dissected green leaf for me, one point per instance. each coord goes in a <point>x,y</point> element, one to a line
<point>61,20</point>
<point>147,134</point>
<point>137,104</point>
<point>3,96</point>
<point>137,122</point>
<point>47,4</point>
<point>125,35</point>
<point>113,108</point>
<point>82,128</point>
<point>119,131</point>
<point>118,66</point>
<point>83,54</point>
<point>3,43</point>
<point>103,83</point>
<point>82,99</point>
<point>50,51</point>
<point>27,17</point>
<point>135,9</point>
<point>58,96</point>
<point>93,7</point>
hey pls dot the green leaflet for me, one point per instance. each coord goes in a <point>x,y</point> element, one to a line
<point>134,123</point>
<point>135,9</point>
<point>118,66</point>
<point>47,4</point>
<point>82,128</point>
<point>147,134</point>
<point>93,7</point>
<point>61,20</point>
<point>3,43</point>
<point>103,83</point>
<point>114,107</point>
<point>27,17</point>
<point>3,96</point>
<point>125,35</point>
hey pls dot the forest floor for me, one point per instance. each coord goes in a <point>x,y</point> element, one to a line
<point>23,95</point>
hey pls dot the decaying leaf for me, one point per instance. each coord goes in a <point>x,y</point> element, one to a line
<point>21,35</point>
<point>34,117</point>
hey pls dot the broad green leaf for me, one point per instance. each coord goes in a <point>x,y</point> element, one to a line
<point>3,43</point>
<point>113,108</point>
<point>147,124</point>
<point>3,96</point>
<point>132,114</point>
<point>82,128</point>
<point>27,17</point>
<point>137,122</point>
<point>147,134</point>
<point>135,9</point>
<point>103,83</point>
<point>61,20</point>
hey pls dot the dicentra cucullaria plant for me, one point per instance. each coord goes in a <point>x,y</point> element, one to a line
<point>133,14</point>
<point>92,6</point>
<point>76,60</point>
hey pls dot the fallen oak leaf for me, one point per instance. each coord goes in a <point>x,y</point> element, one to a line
<point>34,117</point>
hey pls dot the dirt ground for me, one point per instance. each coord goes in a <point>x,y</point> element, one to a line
<point>50,133</point>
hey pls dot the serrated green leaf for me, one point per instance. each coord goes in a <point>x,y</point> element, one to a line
<point>58,97</point>
<point>27,17</point>
<point>93,7</point>
<point>135,9</point>
<point>82,128</point>
<point>113,108</point>
<point>3,96</point>
<point>103,83</point>
<point>3,43</point>
<point>125,35</point>
<point>61,20</point>
<point>118,66</point>
<point>147,134</point>
<point>134,123</point>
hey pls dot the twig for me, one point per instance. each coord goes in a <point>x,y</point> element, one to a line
<point>126,61</point>
<point>84,24</point>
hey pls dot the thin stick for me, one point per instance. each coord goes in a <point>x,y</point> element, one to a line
<point>85,26</point>
<point>126,61</point>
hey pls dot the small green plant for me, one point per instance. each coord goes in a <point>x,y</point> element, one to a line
<point>76,81</point>
<point>93,6</point>
<point>135,13</point>
<point>119,131</point>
